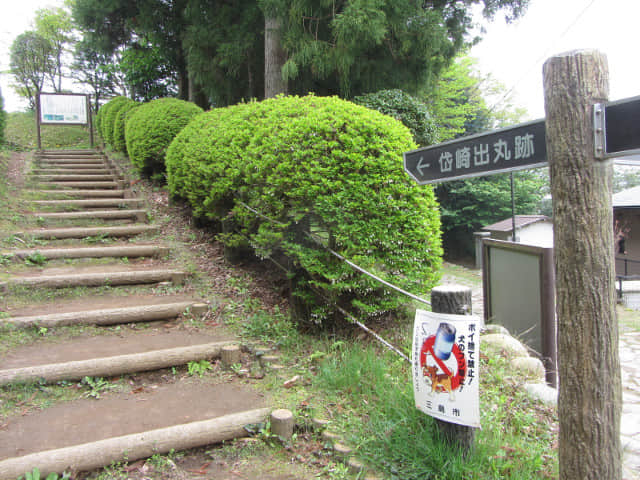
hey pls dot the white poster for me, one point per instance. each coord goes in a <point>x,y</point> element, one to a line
<point>63,109</point>
<point>445,362</point>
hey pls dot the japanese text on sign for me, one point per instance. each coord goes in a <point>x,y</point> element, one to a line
<point>515,148</point>
<point>445,374</point>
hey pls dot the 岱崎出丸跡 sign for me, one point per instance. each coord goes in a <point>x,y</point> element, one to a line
<point>506,150</point>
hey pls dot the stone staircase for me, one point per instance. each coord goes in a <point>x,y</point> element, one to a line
<point>78,197</point>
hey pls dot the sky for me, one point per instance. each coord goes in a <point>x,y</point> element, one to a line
<point>512,53</point>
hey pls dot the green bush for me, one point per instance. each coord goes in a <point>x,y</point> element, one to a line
<point>413,113</point>
<point>314,164</point>
<point>119,143</point>
<point>150,129</point>
<point>104,119</point>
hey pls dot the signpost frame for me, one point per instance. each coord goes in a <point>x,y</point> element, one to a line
<point>86,121</point>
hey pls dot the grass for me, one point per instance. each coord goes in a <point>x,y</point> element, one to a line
<point>20,134</point>
<point>628,319</point>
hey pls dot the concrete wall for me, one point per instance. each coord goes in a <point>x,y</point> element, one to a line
<point>539,234</point>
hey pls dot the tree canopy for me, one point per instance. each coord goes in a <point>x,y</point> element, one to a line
<point>344,47</point>
<point>31,60</point>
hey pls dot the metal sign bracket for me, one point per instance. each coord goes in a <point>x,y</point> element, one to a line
<point>599,131</point>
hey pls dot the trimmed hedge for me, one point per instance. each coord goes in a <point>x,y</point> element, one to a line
<point>314,164</point>
<point>413,113</point>
<point>105,118</point>
<point>150,129</point>
<point>119,142</point>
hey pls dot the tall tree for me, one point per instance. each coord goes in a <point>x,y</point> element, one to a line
<point>97,70</point>
<point>31,60</point>
<point>122,23</point>
<point>56,25</point>
<point>458,103</point>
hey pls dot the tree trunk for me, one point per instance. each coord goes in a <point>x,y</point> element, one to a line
<point>589,400</point>
<point>274,58</point>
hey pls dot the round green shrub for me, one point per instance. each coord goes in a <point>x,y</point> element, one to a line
<point>104,120</point>
<point>320,165</point>
<point>110,116</point>
<point>150,129</point>
<point>413,113</point>
<point>119,143</point>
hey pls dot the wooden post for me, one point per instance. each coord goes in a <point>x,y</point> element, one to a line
<point>454,299</point>
<point>589,400</point>
<point>38,133</point>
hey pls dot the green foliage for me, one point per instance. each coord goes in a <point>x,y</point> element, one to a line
<point>35,475</point>
<point>96,386</point>
<point>148,72</point>
<point>119,143</point>
<point>150,129</point>
<point>469,205</point>
<point>402,443</point>
<point>198,368</point>
<point>105,120</point>
<point>109,119</point>
<point>319,165</point>
<point>31,61</point>
<point>56,25</point>
<point>413,113</point>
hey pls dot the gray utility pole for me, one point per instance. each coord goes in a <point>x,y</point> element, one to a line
<point>589,400</point>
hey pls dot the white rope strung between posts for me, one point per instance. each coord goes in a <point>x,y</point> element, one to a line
<point>363,326</point>
<point>340,309</point>
<point>340,257</point>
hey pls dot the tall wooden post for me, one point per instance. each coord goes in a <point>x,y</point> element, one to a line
<point>456,300</point>
<point>589,400</point>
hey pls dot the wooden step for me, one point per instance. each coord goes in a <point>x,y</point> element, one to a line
<point>83,185</point>
<point>91,203</point>
<point>117,251</point>
<point>83,232</point>
<point>109,316</point>
<point>73,166</point>
<point>112,366</point>
<point>94,193</point>
<point>71,171</point>
<point>138,215</point>
<point>66,160</point>
<point>99,279</point>
<point>76,178</point>
<point>90,456</point>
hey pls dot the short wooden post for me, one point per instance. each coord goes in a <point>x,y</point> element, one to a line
<point>590,396</point>
<point>230,355</point>
<point>282,423</point>
<point>454,299</point>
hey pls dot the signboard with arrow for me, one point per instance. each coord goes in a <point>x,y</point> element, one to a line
<point>515,148</point>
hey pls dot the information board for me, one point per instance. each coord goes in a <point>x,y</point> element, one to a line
<point>446,366</point>
<point>63,108</point>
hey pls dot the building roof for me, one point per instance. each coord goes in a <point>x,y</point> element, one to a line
<point>521,221</point>
<point>629,198</point>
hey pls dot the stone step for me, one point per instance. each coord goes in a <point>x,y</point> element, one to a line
<point>110,316</point>
<point>83,232</point>
<point>116,251</point>
<point>96,279</point>
<point>76,178</point>
<point>94,193</point>
<point>91,203</point>
<point>138,215</point>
